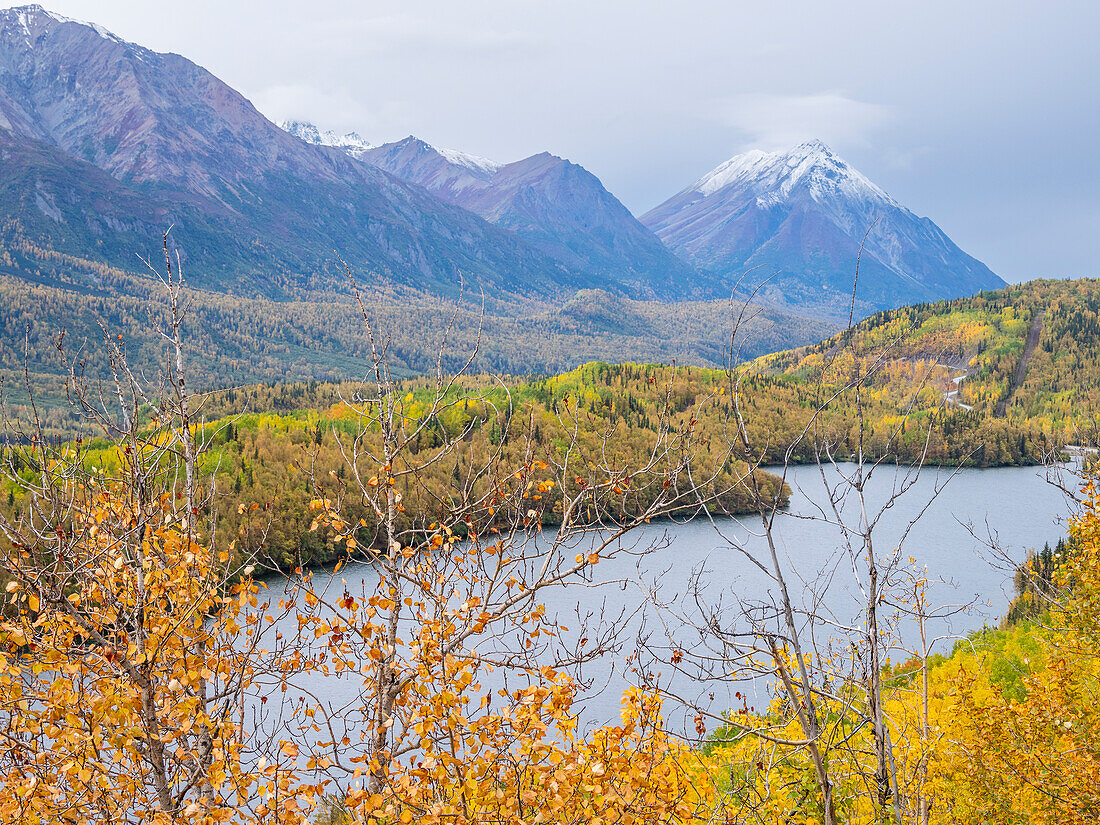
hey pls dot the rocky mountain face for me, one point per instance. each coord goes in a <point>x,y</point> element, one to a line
<point>557,206</point>
<point>117,142</point>
<point>140,116</point>
<point>795,221</point>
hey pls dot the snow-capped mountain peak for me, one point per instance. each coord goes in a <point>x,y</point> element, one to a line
<point>804,217</point>
<point>351,142</point>
<point>355,145</point>
<point>34,16</point>
<point>446,172</point>
<point>773,176</point>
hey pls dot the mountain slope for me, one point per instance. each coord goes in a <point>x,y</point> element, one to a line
<point>444,172</point>
<point>799,218</point>
<point>559,207</point>
<point>1005,376</point>
<point>254,204</point>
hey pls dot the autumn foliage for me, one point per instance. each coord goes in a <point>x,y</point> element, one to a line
<point>132,668</point>
<point>150,674</point>
<point>125,658</point>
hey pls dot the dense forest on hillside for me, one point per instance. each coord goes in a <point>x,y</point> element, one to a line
<point>999,378</point>
<point>318,334</point>
<point>986,337</point>
<point>273,444</point>
<point>949,382</point>
<point>267,466</point>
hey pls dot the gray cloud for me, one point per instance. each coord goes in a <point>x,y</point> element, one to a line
<point>771,121</point>
<point>329,107</point>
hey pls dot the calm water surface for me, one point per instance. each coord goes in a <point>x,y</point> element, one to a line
<point>1014,508</point>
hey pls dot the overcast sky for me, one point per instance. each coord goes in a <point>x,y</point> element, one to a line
<point>984,116</point>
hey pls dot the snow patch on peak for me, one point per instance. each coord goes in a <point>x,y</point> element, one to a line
<point>474,163</point>
<point>813,147</point>
<point>351,142</point>
<point>773,176</point>
<point>736,168</point>
<point>483,167</point>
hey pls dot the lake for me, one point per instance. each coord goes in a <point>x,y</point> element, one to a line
<point>965,514</point>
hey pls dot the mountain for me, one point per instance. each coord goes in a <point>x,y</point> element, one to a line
<point>798,218</point>
<point>557,206</point>
<point>106,143</point>
<point>447,173</point>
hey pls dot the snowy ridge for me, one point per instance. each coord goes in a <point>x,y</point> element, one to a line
<point>356,146</point>
<point>351,142</point>
<point>24,15</point>
<point>472,162</point>
<point>774,176</point>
